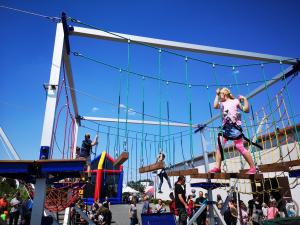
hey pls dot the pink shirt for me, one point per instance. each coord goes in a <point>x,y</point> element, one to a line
<point>272,211</point>
<point>230,109</point>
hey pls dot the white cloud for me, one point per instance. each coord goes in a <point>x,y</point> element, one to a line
<point>131,112</point>
<point>122,106</point>
<point>95,109</point>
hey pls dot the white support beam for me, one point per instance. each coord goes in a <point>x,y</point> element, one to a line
<point>75,138</point>
<point>93,33</point>
<point>146,122</point>
<point>53,82</point>
<point>71,82</point>
<point>9,145</point>
<point>40,187</point>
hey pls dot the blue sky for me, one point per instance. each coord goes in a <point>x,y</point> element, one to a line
<point>27,45</point>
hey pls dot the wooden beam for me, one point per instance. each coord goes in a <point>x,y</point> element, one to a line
<point>152,167</point>
<point>212,175</point>
<point>187,172</point>
<point>277,167</point>
<point>121,159</point>
<point>227,176</point>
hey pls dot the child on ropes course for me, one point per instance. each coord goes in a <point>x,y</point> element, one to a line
<point>231,127</point>
<point>162,172</point>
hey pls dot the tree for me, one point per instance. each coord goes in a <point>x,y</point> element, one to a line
<point>136,186</point>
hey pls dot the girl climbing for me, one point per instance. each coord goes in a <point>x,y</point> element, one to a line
<point>231,127</point>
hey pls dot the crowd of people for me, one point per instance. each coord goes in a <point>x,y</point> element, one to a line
<point>16,211</point>
<point>184,207</point>
<point>99,212</point>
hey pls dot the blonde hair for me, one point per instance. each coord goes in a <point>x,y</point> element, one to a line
<point>227,92</point>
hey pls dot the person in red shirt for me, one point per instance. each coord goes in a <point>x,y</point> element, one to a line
<point>4,203</point>
<point>172,205</point>
<point>190,203</point>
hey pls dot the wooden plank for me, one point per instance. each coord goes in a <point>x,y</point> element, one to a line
<point>121,159</point>
<point>277,167</point>
<point>152,167</point>
<point>227,176</point>
<point>182,172</point>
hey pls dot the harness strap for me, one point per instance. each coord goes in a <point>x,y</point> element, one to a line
<point>232,139</point>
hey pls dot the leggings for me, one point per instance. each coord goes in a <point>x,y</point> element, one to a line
<point>237,143</point>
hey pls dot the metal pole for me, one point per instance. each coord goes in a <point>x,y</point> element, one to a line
<point>259,89</point>
<point>209,191</point>
<point>217,211</point>
<point>147,122</point>
<point>238,207</point>
<point>9,145</point>
<point>93,33</point>
<point>197,214</point>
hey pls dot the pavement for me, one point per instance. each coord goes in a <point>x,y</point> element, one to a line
<point>120,213</point>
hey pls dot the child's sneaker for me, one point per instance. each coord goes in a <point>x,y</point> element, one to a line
<point>215,170</point>
<point>252,170</point>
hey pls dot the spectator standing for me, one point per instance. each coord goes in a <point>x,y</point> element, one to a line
<point>4,203</point>
<point>160,208</point>
<point>133,213</point>
<point>25,211</point>
<point>106,203</point>
<point>15,209</point>
<point>172,204</point>
<point>264,209</point>
<point>272,211</point>
<point>180,200</point>
<point>219,202</point>
<point>190,203</point>
<point>146,205</point>
<point>201,220</point>
<point>255,211</point>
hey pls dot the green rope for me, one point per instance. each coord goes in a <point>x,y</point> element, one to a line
<point>272,115</point>
<point>118,124</point>
<point>128,165</point>
<point>127,94</point>
<point>221,119</point>
<point>210,112</point>
<point>143,119</point>
<point>254,124</point>
<point>247,129</point>
<point>130,157</point>
<point>189,98</point>
<point>136,156</point>
<point>168,117</point>
<point>159,83</point>
<point>290,104</point>
<point>154,77</point>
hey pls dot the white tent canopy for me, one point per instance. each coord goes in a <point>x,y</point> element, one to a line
<point>129,190</point>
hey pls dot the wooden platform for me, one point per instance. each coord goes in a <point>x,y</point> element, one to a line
<point>277,167</point>
<point>187,172</point>
<point>121,159</point>
<point>227,176</point>
<point>152,167</point>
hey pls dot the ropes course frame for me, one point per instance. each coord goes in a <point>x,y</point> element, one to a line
<point>61,56</point>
